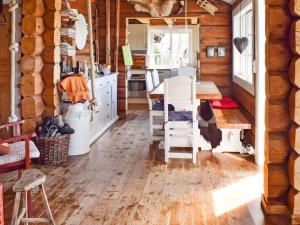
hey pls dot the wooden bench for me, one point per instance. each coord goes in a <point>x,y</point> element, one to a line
<point>231,122</point>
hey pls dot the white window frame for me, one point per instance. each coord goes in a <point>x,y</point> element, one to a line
<point>164,29</point>
<point>244,7</point>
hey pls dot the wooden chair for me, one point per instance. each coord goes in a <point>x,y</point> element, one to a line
<point>156,113</point>
<point>155,78</point>
<point>23,150</point>
<point>181,125</point>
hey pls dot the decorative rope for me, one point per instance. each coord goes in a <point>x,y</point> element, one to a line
<point>14,48</point>
<point>94,105</point>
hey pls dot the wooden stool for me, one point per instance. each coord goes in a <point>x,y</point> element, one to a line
<point>29,180</point>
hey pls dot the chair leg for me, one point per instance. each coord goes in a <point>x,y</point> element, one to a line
<point>151,128</point>
<point>195,150</point>
<point>29,203</point>
<point>46,204</point>
<point>25,205</point>
<point>16,209</point>
<point>167,148</point>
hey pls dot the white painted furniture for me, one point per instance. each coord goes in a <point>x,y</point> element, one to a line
<point>155,78</point>
<point>187,71</point>
<point>155,116</point>
<point>181,93</point>
<point>106,91</point>
<point>138,36</point>
<point>231,122</point>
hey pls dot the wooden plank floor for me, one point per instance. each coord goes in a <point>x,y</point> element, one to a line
<point>124,181</point>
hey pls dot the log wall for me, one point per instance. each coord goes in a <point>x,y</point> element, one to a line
<point>32,46</point>
<point>214,31</point>
<point>294,105</point>
<point>278,122</point>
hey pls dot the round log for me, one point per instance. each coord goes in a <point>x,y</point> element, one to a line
<point>294,72</point>
<point>51,55</point>
<point>52,20</point>
<point>51,75</point>
<point>32,107</point>
<point>33,25</point>
<point>294,39</point>
<point>294,98</point>
<point>54,5</point>
<point>294,6</point>
<point>294,170</point>
<point>31,64</point>
<point>33,7</point>
<point>31,85</point>
<point>294,135</point>
<point>32,45</point>
<point>294,201</point>
<point>51,111</point>
<point>52,37</point>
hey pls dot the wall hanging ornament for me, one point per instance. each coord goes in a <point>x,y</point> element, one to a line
<point>162,8</point>
<point>205,4</point>
<point>241,43</point>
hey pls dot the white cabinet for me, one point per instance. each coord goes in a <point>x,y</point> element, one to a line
<point>106,92</point>
<point>138,36</point>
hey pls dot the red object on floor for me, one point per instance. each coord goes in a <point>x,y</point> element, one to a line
<point>1,206</point>
<point>225,103</point>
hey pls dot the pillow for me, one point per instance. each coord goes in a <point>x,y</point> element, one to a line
<point>225,103</point>
<point>5,149</point>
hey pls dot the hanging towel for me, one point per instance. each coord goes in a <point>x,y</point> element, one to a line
<point>75,88</point>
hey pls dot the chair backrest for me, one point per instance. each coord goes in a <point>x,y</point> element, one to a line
<point>155,78</point>
<point>149,82</point>
<point>187,71</point>
<point>180,92</point>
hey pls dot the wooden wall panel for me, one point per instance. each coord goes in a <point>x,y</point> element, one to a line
<point>294,106</point>
<point>277,149</point>
<point>4,72</point>
<point>214,30</point>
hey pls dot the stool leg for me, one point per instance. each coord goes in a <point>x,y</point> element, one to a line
<point>48,210</point>
<point>25,205</point>
<point>29,204</point>
<point>16,209</point>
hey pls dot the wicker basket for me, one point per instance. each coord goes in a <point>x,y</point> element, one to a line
<point>54,151</point>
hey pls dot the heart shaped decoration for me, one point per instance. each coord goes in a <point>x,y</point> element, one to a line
<point>241,43</point>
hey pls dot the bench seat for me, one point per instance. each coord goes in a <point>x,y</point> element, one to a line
<point>231,119</point>
<point>231,122</point>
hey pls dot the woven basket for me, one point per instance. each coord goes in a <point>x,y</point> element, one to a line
<point>54,151</point>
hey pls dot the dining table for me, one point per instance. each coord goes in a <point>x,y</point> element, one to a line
<point>206,90</point>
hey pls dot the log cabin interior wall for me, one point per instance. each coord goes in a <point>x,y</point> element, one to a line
<point>246,101</point>
<point>294,103</point>
<point>4,71</point>
<point>214,31</point>
<point>277,149</point>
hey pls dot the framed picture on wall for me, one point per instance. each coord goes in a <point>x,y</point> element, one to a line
<point>221,51</point>
<point>210,51</point>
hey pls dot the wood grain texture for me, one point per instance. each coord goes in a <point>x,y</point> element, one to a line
<point>124,181</point>
<point>214,31</point>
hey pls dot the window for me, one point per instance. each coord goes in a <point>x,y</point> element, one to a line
<point>243,26</point>
<point>170,47</point>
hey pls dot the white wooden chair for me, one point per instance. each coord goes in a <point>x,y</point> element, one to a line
<point>155,78</point>
<point>181,125</point>
<point>156,113</point>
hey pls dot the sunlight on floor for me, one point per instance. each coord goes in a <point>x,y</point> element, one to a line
<point>238,194</point>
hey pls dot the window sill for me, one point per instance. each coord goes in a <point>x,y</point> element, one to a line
<point>250,88</point>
